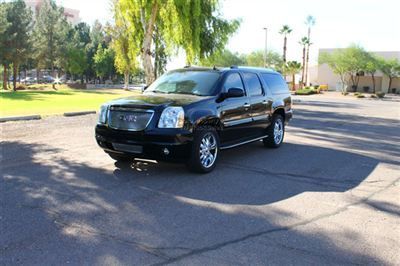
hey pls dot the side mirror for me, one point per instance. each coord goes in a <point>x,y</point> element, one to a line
<point>234,93</point>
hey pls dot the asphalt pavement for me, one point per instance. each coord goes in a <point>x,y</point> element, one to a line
<point>330,195</point>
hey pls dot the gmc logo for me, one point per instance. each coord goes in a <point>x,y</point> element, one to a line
<point>128,118</point>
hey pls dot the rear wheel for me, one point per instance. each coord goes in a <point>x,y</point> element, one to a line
<point>275,132</point>
<point>204,152</point>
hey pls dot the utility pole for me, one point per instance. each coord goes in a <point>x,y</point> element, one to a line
<point>266,47</point>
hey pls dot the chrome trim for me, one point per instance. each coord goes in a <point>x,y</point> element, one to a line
<point>134,109</point>
<point>116,108</point>
<point>242,143</point>
<point>238,122</point>
<point>260,117</point>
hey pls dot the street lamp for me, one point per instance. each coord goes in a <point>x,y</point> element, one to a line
<point>266,51</point>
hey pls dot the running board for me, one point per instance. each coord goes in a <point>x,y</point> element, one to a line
<point>242,143</point>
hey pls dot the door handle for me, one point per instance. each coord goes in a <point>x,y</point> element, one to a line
<point>246,105</point>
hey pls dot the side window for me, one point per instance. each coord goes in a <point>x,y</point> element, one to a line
<point>253,84</point>
<point>233,81</point>
<point>275,83</point>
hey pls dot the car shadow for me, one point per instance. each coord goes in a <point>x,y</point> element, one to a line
<point>147,212</point>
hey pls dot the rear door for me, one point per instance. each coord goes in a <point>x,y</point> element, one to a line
<point>235,112</point>
<point>260,106</point>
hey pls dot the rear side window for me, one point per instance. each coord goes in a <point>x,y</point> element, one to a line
<point>253,84</point>
<point>275,83</point>
<point>233,81</point>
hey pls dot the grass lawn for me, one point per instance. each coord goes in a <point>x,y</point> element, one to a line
<point>50,102</point>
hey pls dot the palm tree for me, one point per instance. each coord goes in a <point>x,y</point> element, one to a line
<point>292,68</point>
<point>285,31</point>
<point>310,21</point>
<point>304,42</point>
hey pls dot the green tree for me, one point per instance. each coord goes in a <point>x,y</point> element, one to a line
<point>224,58</point>
<point>304,43</point>
<point>338,63</point>
<point>50,36</point>
<point>391,68</point>
<point>125,59</point>
<point>4,40</point>
<point>97,36</point>
<point>355,59</point>
<point>285,31</point>
<point>292,68</point>
<point>371,67</point>
<point>18,32</point>
<point>310,22</point>
<point>104,62</point>
<point>256,59</point>
<point>76,62</point>
<point>194,26</point>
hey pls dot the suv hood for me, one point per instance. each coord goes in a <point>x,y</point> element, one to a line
<point>153,100</point>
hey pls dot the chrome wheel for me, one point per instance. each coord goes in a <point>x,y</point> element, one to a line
<point>278,131</point>
<point>208,150</point>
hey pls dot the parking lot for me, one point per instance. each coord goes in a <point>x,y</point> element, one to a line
<point>329,195</point>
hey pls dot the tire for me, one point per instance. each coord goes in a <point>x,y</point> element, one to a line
<point>204,152</point>
<point>120,157</point>
<point>275,132</point>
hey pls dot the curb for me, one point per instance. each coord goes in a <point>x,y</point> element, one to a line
<point>20,118</point>
<point>79,113</point>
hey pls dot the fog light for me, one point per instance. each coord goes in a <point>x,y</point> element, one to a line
<point>166,151</point>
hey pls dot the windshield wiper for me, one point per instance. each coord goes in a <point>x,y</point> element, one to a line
<point>189,93</point>
<point>158,91</point>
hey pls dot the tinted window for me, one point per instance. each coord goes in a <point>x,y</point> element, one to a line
<point>275,83</point>
<point>185,82</point>
<point>253,84</point>
<point>233,81</point>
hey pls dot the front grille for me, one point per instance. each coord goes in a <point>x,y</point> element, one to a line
<point>129,118</point>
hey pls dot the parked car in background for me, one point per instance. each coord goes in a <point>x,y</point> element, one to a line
<point>29,80</point>
<point>46,79</point>
<point>191,114</point>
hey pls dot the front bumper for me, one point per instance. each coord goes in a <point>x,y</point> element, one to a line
<point>153,143</point>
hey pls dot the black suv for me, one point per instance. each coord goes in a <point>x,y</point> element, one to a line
<point>189,115</point>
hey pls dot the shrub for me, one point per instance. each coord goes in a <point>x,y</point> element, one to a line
<point>373,96</point>
<point>306,91</point>
<point>380,94</point>
<point>360,96</point>
<point>345,93</point>
<point>357,94</point>
<point>21,87</point>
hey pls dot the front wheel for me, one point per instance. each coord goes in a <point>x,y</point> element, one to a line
<point>275,132</point>
<point>204,152</point>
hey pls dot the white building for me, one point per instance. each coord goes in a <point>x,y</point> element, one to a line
<point>72,15</point>
<point>322,74</point>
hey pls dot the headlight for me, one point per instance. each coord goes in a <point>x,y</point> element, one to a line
<point>172,117</point>
<point>103,114</point>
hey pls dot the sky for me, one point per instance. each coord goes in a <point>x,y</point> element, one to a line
<point>373,24</point>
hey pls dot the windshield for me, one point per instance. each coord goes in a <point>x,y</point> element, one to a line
<point>186,82</point>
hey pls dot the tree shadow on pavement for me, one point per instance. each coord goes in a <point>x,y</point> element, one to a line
<point>58,211</point>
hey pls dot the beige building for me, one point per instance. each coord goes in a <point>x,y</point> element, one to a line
<point>322,74</point>
<point>72,15</point>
